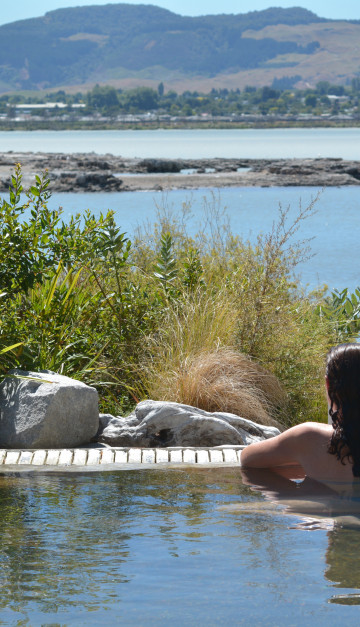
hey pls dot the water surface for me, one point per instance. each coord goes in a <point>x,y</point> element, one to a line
<point>193,144</point>
<point>193,547</point>
<point>333,229</point>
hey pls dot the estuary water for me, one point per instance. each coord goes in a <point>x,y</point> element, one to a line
<point>193,144</point>
<point>333,229</point>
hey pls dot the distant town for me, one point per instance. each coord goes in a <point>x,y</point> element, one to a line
<point>105,106</point>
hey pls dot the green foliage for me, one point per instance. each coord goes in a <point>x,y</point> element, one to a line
<point>27,246</point>
<point>104,99</point>
<point>165,269</point>
<point>193,270</point>
<point>52,322</point>
<point>310,100</point>
<point>139,99</point>
<point>82,299</point>
<point>342,310</point>
<point>222,102</point>
<point>64,294</point>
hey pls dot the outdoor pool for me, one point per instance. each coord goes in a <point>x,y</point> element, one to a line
<point>174,547</point>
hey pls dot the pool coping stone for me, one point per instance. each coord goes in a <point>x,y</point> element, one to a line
<point>101,457</point>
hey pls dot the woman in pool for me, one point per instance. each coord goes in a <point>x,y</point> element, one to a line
<point>323,452</point>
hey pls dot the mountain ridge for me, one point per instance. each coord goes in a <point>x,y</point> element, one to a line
<point>116,43</point>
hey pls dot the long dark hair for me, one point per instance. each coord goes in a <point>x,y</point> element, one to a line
<point>343,380</point>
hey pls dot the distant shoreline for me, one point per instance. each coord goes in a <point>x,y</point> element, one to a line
<point>257,123</point>
<point>82,172</point>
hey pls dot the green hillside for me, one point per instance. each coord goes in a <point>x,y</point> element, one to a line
<point>82,45</point>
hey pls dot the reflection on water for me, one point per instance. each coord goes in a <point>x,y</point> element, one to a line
<point>342,558</point>
<point>333,506</point>
<point>187,546</point>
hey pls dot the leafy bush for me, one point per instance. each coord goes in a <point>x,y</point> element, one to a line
<point>246,300</point>
<point>167,315</point>
<point>342,310</point>
<point>27,248</point>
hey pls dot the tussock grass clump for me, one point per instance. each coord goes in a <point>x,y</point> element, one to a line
<point>225,380</point>
<point>247,304</point>
<point>202,321</point>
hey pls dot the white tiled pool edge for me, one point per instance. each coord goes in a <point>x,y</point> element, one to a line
<point>107,458</point>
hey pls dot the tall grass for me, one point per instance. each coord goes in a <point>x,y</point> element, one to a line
<point>207,320</point>
<point>221,380</point>
<point>246,303</point>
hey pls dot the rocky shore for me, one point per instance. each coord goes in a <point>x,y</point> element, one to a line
<point>79,172</point>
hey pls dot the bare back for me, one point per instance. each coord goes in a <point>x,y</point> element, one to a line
<point>306,445</point>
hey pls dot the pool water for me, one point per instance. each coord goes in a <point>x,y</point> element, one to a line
<point>179,547</point>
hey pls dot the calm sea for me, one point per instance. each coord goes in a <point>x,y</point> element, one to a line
<point>334,228</point>
<point>236,143</point>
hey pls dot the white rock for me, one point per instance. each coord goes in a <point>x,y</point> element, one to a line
<point>156,424</point>
<point>46,410</point>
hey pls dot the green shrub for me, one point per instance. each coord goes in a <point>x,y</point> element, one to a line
<point>248,301</point>
<point>132,318</point>
<point>342,310</point>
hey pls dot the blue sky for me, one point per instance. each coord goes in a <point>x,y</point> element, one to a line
<point>347,9</point>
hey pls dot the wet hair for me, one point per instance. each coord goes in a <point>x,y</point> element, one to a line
<point>343,375</point>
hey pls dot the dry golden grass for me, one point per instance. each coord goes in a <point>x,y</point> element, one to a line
<point>188,364</point>
<point>247,302</point>
<point>225,380</point>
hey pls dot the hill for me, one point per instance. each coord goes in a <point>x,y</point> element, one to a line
<point>125,45</point>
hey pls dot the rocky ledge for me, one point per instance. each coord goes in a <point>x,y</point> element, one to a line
<point>45,410</point>
<point>93,173</point>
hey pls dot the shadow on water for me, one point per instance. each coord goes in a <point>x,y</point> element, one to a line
<point>190,546</point>
<point>334,507</point>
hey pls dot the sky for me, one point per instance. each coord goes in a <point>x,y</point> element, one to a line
<point>347,9</point>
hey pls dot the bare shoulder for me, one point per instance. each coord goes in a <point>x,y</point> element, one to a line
<point>289,447</point>
<point>309,429</point>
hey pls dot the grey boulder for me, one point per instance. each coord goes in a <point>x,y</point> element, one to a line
<point>46,410</point>
<point>165,424</point>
